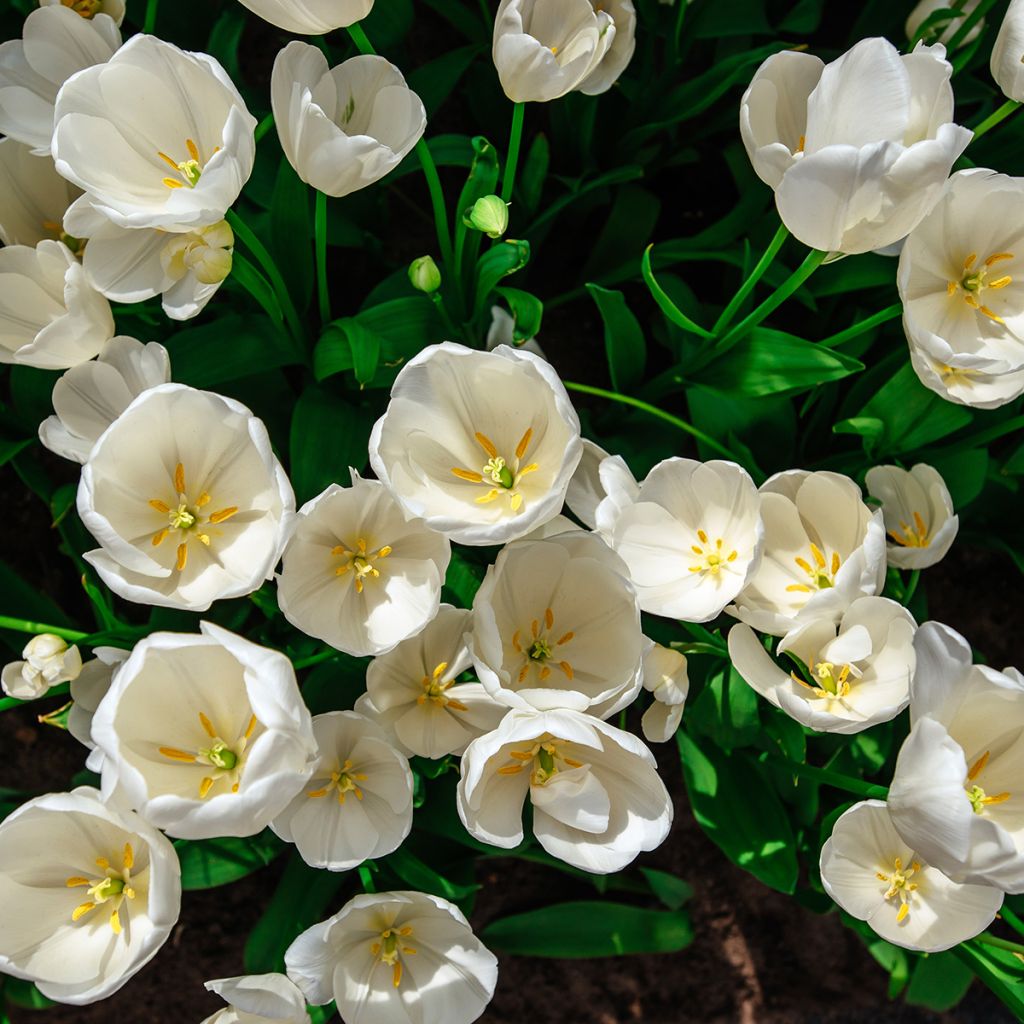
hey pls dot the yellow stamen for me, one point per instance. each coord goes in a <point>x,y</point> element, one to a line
<point>179,478</point>
<point>819,558</point>
<point>524,443</point>
<point>466,474</point>
<point>567,669</point>
<point>397,973</point>
<point>487,444</point>
<point>115,922</point>
<point>177,755</point>
<point>81,910</point>
<point>997,256</point>
<point>488,497</point>
<point>128,858</point>
<point>565,638</point>
<point>160,507</point>
<point>204,788</point>
<point>223,514</point>
<point>902,912</point>
<point>182,557</point>
<point>172,183</point>
<point>193,149</point>
<point>207,726</point>
<point>77,880</point>
<point>159,537</point>
<point>549,618</point>
<point>251,727</point>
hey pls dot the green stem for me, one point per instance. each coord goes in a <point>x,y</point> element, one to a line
<point>359,37</point>
<point>263,127</point>
<point>813,260</point>
<point>847,783</point>
<point>320,229</point>
<point>149,24</point>
<point>911,587</point>
<point>996,116</point>
<point>696,648</point>
<point>26,626</point>
<point>653,410</point>
<point>1012,919</point>
<point>265,260</point>
<point>755,275</point>
<point>992,940</point>
<point>366,877</point>
<point>512,159</point>
<point>863,326</point>
<point>967,24</point>
<point>55,691</point>
<point>315,659</point>
<point>442,312</point>
<point>444,234</point>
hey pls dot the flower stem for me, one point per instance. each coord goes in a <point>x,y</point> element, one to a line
<point>813,260</point>
<point>1012,919</point>
<point>26,626</point>
<point>358,36</point>
<point>265,260</point>
<point>263,127</point>
<point>149,24</point>
<point>911,587</point>
<point>755,275</point>
<point>366,877</point>
<point>444,235</point>
<point>55,691</point>
<point>512,158</point>
<point>847,783</point>
<point>653,410</point>
<point>992,940</point>
<point>863,326</point>
<point>315,659</point>
<point>320,230</point>
<point>996,116</point>
<point>967,24</point>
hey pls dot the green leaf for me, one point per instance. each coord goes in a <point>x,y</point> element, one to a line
<point>894,960</point>
<point>436,80</point>
<point>463,579</point>
<point>624,342</point>
<point>423,878</point>
<point>25,995</point>
<point>8,449</point>
<point>245,275</point>
<point>501,260</point>
<point>208,863</point>
<point>670,889</point>
<point>27,601</point>
<point>939,982</point>
<point>667,306</point>
<point>964,473</point>
<point>291,234</point>
<point>770,362</point>
<point>482,179</point>
<point>364,348</point>
<point>535,171</point>
<point>734,804</point>
<point>589,929</point>
<point>527,312</point>
<point>328,435</point>
<point>999,969</point>
<point>727,710</point>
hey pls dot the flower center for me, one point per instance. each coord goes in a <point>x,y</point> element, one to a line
<point>974,280</point>
<point>343,781</point>
<point>189,171</point>
<point>225,759</point>
<point>114,887</point>
<point>86,8</point>
<point>205,252</point>
<point>390,948</point>
<point>544,758</point>
<point>434,687</point>
<point>821,574</point>
<point>185,516</point>
<point>359,562</point>
<point>505,476</point>
<point>915,536</point>
<point>711,558</point>
<point>541,649</point>
<point>978,797</point>
<point>901,889</point>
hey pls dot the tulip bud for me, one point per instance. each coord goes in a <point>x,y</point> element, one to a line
<point>48,661</point>
<point>488,214</point>
<point>424,275</point>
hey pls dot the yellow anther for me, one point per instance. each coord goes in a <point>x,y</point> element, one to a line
<point>177,755</point>
<point>182,560</point>
<point>159,537</point>
<point>161,507</point>
<point>549,618</point>
<point>81,910</point>
<point>77,880</point>
<point>207,726</point>
<point>204,787</point>
<point>487,444</point>
<point>819,558</point>
<point>223,514</point>
<point>467,475</point>
<point>979,766</point>
<point>179,478</point>
<point>524,443</point>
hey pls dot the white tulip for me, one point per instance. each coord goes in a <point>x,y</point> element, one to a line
<point>692,538</point>
<point>343,128</point>
<point>90,894</point>
<point>88,689</point>
<point>620,53</point>
<point>258,999</point>
<point>310,17</point>
<point>556,624</point>
<point>854,674</point>
<point>1007,61</point>
<point>858,150</point>
<point>171,123</point>
<point>55,44</point>
<point>665,675</point>
<point>918,514</point>
<point>876,877</point>
<point>90,396</point>
<point>956,792</point>
<point>395,958</point>
<point>950,27</point>
<point>90,8</point>
<point>601,488</point>
<point>546,48</point>
<point>48,661</point>
<point>357,574</point>
<point>50,315</point>
<point>961,279</point>
<point>205,734</point>
<point>481,445</point>
<point>598,801</point>
<point>357,804</point>
<point>413,691</point>
<point>33,197</point>
<point>823,548</point>
<point>186,499</point>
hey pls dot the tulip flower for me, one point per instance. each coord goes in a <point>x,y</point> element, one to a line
<point>876,877</point>
<point>343,128</point>
<point>205,734</point>
<point>556,624</point>
<point>55,44</point>
<point>950,26</point>
<point>598,801</point>
<point>692,537</point>
<point>393,957</point>
<point>50,315</point>
<point>258,999</point>
<point>858,150</point>
<point>956,793</point>
<point>918,514</point>
<point>33,198</point>
<point>600,489</point>
<point>211,504</point>
<point>357,803</point>
<point>173,125</point>
<point>91,8</point>
<point>88,689</point>
<point>665,676</point>
<point>823,548</point>
<point>357,574</point>
<point>480,445</point>
<point>90,894</point>
<point>847,677</point>
<point>414,694</point>
<point>48,661</point>
<point>1007,61</point>
<point>963,291</point>
<point>310,17</point>
<point>90,396</point>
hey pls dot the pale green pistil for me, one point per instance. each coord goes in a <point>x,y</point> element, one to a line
<point>539,650</point>
<point>220,756</point>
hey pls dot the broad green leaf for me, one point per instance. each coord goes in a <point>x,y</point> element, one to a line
<point>667,306</point>
<point>245,275</point>
<point>208,863</point>
<point>895,961</point>
<point>423,878</point>
<point>964,473</point>
<point>25,995</point>
<point>734,804</point>
<point>328,435</point>
<point>527,312</point>
<point>999,969</point>
<point>501,260</point>
<point>463,579</point>
<point>364,347</point>
<point>291,234</point>
<point>535,171</point>
<point>589,929</point>
<point>436,80</point>
<point>626,230</point>
<point>670,889</point>
<point>8,449</point>
<point>939,982</point>
<point>727,710</point>
<point>27,601</point>
<point>624,342</point>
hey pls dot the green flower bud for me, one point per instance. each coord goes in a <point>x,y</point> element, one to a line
<point>424,275</point>
<point>489,215</point>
